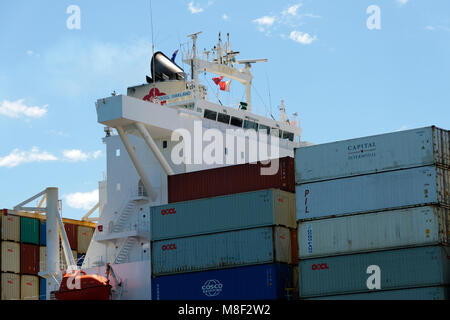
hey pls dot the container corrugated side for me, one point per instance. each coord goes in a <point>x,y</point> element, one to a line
<point>43,233</point>
<point>373,192</point>
<point>10,257</point>
<point>29,287</point>
<point>233,179</point>
<point>72,235</point>
<point>29,259</point>
<point>259,282</point>
<point>222,250</point>
<point>42,289</point>
<point>42,259</point>
<point>379,153</point>
<point>374,231</point>
<point>224,213</point>
<point>29,230</point>
<point>10,286</point>
<point>84,238</point>
<point>427,293</point>
<point>10,227</point>
<point>399,269</point>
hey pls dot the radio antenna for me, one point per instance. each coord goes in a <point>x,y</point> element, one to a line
<point>153,43</point>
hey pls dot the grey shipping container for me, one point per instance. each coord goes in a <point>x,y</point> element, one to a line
<point>398,269</point>
<point>225,213</point>
<point>374,231</point>
<point>222,250</point>
<point>391,151</point>
<point>427,293</point>
<point>373,192</point>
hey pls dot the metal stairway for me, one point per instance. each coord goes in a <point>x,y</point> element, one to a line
<point>122,256</point>
<point>124,215</point>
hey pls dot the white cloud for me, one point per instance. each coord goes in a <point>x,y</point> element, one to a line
<point>431,28</point>
<point>17,157</point>
<point>301,37</point>
<point>292,10</point>
<point>17,109</point>
<point>402,2</point>
<point>31,53</point>
<point>80,200</point>
<point>193,8</point>
<point>76,155</point>
<point>264,22</point>
<point>225,17</point>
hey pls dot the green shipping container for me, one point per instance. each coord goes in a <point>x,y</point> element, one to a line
<point>29,230</point>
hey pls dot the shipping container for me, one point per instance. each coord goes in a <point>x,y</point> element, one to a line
<point>10,227</point>
<point>29,287</point>
<point>29,230</point>
<point>72,235</point>
<point>374,231</point>
<point>42,259</point>
<point>84,238</point>
<point>10,257</point>
<point>29,259</point>
<point>427,293</point>
<point>391,151</point>
<point>222,250</point>
<point>10,286</point>
<point>232,179</point>
<point>43,233</point>
<point>259,282</point>
<point>373,192</point>
<point>395,269</point>
<point>224,213</point>
<point>42,289</point>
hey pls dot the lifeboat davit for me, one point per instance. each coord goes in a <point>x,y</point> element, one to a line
<point>81,286</point>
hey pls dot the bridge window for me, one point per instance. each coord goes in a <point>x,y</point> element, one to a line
<point>224,118</point>
<point>288,136</point>
<point>263,127</point>
<point>236,122</point>
<point>250,125</point>
<point>211,115</point>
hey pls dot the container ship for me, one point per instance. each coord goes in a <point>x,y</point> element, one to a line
<point>222,203</point>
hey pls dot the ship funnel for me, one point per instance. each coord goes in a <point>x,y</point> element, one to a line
<point>163,69</point>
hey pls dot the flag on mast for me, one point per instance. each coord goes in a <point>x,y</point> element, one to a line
<point>217,80</point>
<point>225,85</point>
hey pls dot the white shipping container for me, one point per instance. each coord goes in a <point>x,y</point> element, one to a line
<point>374,231</point>
<point>373,192</point>
<point>10,286</point>
<point>10,257</point>
<point>379,153</point>
<point>29,287</point>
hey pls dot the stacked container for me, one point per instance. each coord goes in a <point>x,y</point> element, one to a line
<point>218,245</point>
<point>23,253</point>
<point>375,202</point>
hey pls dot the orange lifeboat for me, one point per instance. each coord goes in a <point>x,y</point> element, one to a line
<point>81,286</point>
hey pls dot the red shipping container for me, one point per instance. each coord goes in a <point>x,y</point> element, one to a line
<point>229,180</point>
<point>72,235</point>
<point>29,259</point>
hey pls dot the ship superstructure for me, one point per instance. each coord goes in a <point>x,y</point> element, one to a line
<point>168,126</point>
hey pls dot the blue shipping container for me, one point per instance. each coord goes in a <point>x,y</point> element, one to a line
<point>427,293</point>
<point>43,233</point>
<point>260,282</point>
<point>395,269</point>
<point>225,213</point>
<point>223,250</point>
<point>42,288</point>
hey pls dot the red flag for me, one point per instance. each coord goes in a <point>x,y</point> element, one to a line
<point>225,85</point>
<point>217,80</point>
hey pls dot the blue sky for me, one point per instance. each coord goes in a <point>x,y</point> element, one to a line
<point>343,79</point>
